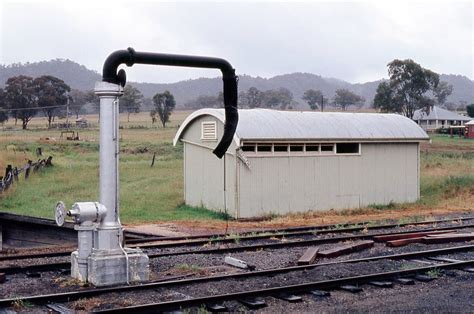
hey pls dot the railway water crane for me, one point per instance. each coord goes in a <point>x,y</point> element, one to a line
<point>101,259</point>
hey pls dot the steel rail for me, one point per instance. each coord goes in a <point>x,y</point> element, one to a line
<point>64,265</point>
<point>74,295</point>
<point>336,228</point>
<point>298,288</point>
<point>34,255</point>
<point>245,238</point>
<point>284,244</point>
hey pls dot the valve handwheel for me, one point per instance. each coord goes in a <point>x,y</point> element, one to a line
<point>60,213</point>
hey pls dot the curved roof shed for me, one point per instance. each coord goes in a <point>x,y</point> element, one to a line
<point>274,125</point>
<point>291,161</point>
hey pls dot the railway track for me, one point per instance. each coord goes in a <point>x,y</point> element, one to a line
<point>283,292</point>
<point>32,268</point>
<point>437,254</point>
<point>293,231</point>
<point>250,236</point>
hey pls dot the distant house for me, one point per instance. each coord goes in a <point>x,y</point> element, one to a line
<point>438,118</point>
<point>469,133</point>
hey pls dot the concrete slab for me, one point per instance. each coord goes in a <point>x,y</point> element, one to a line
<point>106,269</point>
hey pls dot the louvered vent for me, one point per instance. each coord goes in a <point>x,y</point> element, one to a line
<point>209,131</point>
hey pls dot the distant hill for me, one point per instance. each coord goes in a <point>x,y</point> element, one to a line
<point>75,75</point>
<point>79,77</point>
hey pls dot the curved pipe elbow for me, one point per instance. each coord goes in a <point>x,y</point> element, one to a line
<point>130,57</point>
<point>111,64</point>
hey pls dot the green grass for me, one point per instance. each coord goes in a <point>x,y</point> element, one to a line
<point>445,138</point>
<point>146,193</point>
<point>434,189</point>
<point>390,205</point>
<point>434,273</point>
<point>156,193</point>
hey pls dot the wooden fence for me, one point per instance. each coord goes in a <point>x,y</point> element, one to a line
<point>12,173</point>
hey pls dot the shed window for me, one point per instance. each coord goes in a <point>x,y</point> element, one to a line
<point>280,148</point>
<point>264,148</point>
<point>347,148</point>
<point>327,148</point>
<point>248,147</point>
<point>314,148</point>
<point>209,131</point>
<point>296,147</point>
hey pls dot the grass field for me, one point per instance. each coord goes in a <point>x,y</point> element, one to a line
<point>156,193</point>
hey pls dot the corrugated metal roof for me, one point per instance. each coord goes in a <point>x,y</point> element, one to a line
<point>469,123</point>
<point>437,113</point>
<point>266,124</point>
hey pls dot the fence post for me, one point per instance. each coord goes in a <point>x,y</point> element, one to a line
<point>48,161</point>
<point>8,169</point>
<point>15,174</point>
<point>27,171</point>
<point>153,160</point>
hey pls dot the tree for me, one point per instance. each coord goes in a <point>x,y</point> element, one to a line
<point>470,110</point>
<point>407,88</point>
<point>344,98</point>
<point>3,107</point>
<point>92,98</point>
<point>281,98</point>
<point>314,98</point>
<point>21,98</point>
<point>77,100</point>
<point>442,91</point>
<point>205,101</point>
<point>164,106</point>
<point>451,106</point>
<point>52,94</point>
<point>384,98</point>
<point>130,101</point>
<point>253,98</point>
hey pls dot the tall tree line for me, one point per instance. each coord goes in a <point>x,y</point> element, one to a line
<point>23,97</point>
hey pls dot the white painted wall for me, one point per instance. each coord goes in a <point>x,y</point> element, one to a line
<point>280,185</point>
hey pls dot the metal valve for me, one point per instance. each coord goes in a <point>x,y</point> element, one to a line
<point>87,212</point>
<point>60,213</point>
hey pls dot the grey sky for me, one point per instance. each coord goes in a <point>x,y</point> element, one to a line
<point>353,40</point>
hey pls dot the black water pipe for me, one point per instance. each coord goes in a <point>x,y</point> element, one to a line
<point>131,57</point>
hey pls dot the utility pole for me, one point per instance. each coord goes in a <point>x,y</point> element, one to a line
<point>67,114</point>
<point>322,102</point>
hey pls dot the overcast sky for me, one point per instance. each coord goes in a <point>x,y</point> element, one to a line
<point>351,40</point>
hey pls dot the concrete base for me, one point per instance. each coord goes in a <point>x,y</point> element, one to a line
<point>78,267</point>
<point>107,268</point>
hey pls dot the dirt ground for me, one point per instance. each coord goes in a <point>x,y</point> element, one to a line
<point>182,228</point>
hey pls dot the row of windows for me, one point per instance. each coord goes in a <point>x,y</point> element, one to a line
<point>301,148</point>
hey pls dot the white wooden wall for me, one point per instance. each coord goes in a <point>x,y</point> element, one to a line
<point>204,172</point>
<point>381,174</point>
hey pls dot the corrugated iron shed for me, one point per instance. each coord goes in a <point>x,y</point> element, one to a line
<point>274,125</point>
